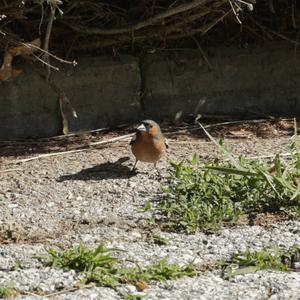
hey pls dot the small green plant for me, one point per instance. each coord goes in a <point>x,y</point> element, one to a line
<point>17,264</point>
<point>160,271</point>
<point>204,196</point>
<point>196,198</point>
<point>101,267</point>
<point>251,261</point>
<point>6,291</point>
<point>147,206</point>
<point>82,258</point>
<point>132,297</point>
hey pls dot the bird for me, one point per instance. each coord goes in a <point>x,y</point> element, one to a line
<point>148,144</point>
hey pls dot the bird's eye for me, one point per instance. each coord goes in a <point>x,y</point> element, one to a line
<point>150,126</point>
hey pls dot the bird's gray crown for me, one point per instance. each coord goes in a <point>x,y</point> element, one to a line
<point>149,122</point>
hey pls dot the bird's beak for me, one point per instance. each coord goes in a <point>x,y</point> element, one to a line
<point>142,127</point>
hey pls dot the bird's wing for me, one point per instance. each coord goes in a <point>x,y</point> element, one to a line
<point>132,140</point>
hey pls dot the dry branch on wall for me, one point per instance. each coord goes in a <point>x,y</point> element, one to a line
<point>148,22</point>
<point>7,71</point>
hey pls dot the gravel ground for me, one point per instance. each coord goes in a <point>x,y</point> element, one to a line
<point>90,197</point>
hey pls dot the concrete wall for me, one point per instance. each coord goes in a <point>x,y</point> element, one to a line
<point>28,107</point>
<point>104,92</point>
<point>107,92</point>
<point>241,82</point>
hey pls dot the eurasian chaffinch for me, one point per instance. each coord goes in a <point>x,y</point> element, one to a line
<point>149,144</point>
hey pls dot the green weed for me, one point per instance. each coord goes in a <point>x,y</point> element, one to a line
<point>7,291</point>
<point>252,261</point>
<point>104,269</point>
<point>82,258</point>
<point>132,297</point>
<point>205,195</point>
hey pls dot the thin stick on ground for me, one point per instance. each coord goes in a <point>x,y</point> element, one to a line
<point>29,293</point>
<point>115,139</point>
<point>286,154</point>
<point>10,170</point>
<point>45,155</point>
<point>68,291</point>
<point>87,147</point>
<point>196,127</point>
<point>128,136</point>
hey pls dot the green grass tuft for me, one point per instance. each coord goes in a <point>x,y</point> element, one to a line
<point>82,258</point>
<point>266,259</point>
<point>202,196</point>
<point>132,297</point>
<point>6,291</point>
<point>101,267</point>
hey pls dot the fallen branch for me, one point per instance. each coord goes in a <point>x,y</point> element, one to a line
<point>128,136</point>
<point>159,17</point>
<point>63,136</point>
<point>10,170</point>
<point>48,295</point>
<point>87,286</point>
<point>87,147</point>
<point>118,138</point>
<point>196,127</point>
<point>44,156</point>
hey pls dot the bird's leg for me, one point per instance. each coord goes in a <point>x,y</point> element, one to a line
<point>133,169</point>
<point>157,170</point>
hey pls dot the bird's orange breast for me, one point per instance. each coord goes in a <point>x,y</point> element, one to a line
<point>148,149</point>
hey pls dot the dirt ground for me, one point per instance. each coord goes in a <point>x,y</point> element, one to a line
<point>54,196</point>
<point>92,196</point>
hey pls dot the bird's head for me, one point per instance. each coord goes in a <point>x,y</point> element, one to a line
<point>150,127</point>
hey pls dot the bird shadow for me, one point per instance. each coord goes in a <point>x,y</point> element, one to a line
<point>108,170</point>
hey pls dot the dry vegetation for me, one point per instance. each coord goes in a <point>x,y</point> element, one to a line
<point>57,29</point>
<point>71,26</point>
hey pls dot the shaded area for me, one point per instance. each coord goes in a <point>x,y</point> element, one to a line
<point>73,141</point>
<point>91,25</point>
<point>103,171</point>
<point>179,130</point>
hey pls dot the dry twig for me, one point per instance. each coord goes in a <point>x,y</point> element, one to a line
<point>10,170</point>
<point>87,147</point>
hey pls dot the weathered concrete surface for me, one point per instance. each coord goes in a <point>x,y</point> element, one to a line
<point>107,92</point>
<point>103,91</point>
<point>242,82</point>
<point>28,107</point>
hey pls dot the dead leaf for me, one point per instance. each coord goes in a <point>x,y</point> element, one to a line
<point>142,285</point>
<point>266,130</point>
<point>25,49</point>
<point>285,125</point>
<point>66,108</point>
<point>7,71</point>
